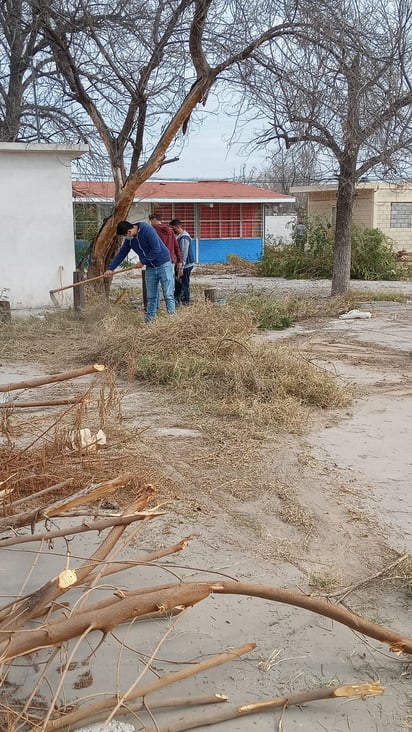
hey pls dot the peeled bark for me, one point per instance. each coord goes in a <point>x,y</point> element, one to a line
<point>53,378</point>
<point>103,247</point>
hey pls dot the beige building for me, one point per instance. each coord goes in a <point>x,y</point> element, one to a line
<point>377,205</point>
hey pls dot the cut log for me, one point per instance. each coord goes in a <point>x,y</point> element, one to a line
<point>53,378</point>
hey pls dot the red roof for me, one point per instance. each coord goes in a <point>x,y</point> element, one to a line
<point>190,191</point>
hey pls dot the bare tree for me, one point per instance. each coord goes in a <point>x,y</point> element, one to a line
<point>287,168</point>
<point>19,42</point>
<point>31,107</point>
<point>342,83</point>
<point>139,69</point>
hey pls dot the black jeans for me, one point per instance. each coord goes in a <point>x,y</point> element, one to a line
<point>182,287</point>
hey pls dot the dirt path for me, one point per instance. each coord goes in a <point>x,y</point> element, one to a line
<point>319,512</point>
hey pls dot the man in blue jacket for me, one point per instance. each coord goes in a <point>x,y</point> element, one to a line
<point>152,253</point>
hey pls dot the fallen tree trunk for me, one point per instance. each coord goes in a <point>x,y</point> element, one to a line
<point>104,616</point>
<point>53,378</point>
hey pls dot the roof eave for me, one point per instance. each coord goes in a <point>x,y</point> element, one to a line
<point>104,199</point>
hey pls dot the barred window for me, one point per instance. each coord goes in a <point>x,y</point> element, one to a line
<point>230,221</point>
<point>401,216</point>
<point>182,211</point>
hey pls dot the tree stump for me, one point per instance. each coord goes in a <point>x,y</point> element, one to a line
<point>211,294</point>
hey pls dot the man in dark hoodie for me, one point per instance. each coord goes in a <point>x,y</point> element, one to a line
<point>168,238</point>
<point>151,251</point>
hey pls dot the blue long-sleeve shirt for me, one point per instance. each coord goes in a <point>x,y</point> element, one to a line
<point>147,245</point>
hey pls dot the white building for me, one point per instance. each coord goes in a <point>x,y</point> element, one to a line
<point>36,214</point>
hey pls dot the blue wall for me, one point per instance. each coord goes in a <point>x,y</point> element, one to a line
<point>212,251</point>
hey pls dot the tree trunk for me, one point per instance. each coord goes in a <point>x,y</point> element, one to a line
<point>104,245</point>
<point>343,232</point>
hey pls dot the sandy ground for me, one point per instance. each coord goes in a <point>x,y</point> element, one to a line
<point>318,512</point>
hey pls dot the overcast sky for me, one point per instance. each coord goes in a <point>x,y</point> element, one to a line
<point>211,149</point>
<point>210,152</point>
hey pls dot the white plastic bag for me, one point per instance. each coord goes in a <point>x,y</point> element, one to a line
<point>84,440</point>
<point>356,315</point>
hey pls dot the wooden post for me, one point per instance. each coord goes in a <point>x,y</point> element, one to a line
<point>144,290</point>
<point>5,312</point>
<point>211,294</point>
<point>78,292</point>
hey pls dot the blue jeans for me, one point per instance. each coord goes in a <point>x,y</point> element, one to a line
<point>182,287</point>
<point>164,276</point>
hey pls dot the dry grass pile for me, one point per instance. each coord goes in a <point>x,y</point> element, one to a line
<point>206,354</point>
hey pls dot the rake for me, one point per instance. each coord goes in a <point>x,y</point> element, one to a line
<point>52,293</point>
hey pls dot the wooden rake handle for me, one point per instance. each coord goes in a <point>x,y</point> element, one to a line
<point>92,279</point>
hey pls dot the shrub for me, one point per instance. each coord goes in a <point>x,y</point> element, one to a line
<point>268,313</point>
<point>373,257</point>
<point>272,261</point>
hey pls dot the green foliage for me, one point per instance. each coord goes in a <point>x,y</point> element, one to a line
<point>373,257</point>
<point>268,314</point>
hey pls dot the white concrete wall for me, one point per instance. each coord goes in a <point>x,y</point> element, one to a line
<point>36,214</point>
<point>280,227</point>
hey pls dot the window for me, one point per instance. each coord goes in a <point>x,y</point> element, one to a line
<point>401,216</point>
<point>230,220</point>
<point>251,220</point>
<point>182,211</point>
<point>104,210</point>
<point>85,221</point>
<point>209,221</point>
<point>216,220</point>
